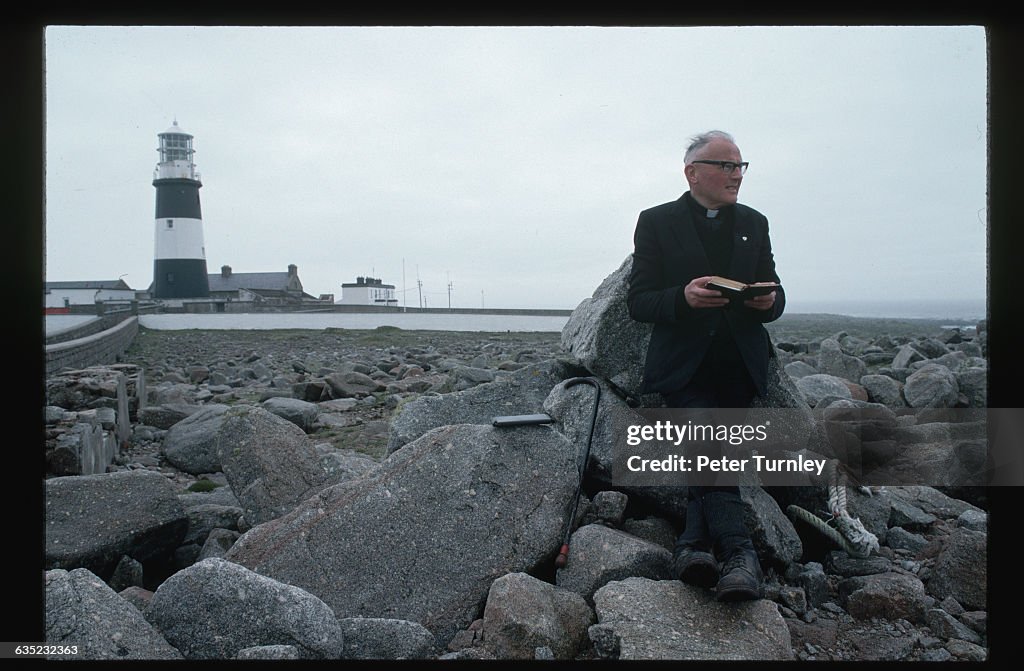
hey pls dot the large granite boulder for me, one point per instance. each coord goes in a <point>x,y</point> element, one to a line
<point>94,520</point>
<point>833,361</point>
<point>269,462</point>
<point>524,613</point>
<point>191,444</point>
<point>82,611</point>
<point>932,386</point>
<point>668,619</point>
<point>215,608</point>
<point>422,537</point>
<point>604,338</point>
<point>301,413</point>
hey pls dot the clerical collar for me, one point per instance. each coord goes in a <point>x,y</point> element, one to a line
<point>703,211</point>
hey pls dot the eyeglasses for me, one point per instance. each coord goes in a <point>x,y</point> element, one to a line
<point>727,166</point>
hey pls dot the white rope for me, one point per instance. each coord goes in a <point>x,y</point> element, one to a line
<point>850,533</point>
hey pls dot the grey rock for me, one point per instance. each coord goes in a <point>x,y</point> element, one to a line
<point>931,501</point>
<point>799,369</point>
<point>269,463</point>
<point>842,564</point>
<point>607,507</point>
<point>220,496</point>
<point>300,413</point>
<point>543,653</point>
<point>217,544</point>
<point>205,517</point>
<point>931,386</point>
<point>967,651</point>
<point>960,570</point>
<point>951,360</point>
<point>931,347</point>
<point>519,393</point>
<point>380,638</point>
<point>832,361</point>
<point>127,573</point>
<point>467,377</point>
<point>216,608</point>
<point>973,384</point>
<point>884,389</point>
<point>975,520</point>
<point>191,444</point>
<point>952,606</point>
<point>906,355</point>
<point>606,642</point>
<point>773,534</point>
<point>352,384</point>
<point>598,555</point>
<point>167,415</point>
<point>816,387</point>
<point>268,652</point>
<point>94,520</point>
<point>81,610</point>
<point>602,336</point>
<point>885,595</point>
<point>668,619</point>
<point>909,516</point>
<point>341,465</point>
<point>523,613</point>
<point>899,538</point>
<point>136,596</point>
<point>455,508</point>
<point>945,626</point>
<point>655,530</point>
<point>871,643</point>
<point>814,582</point>
<point>976,620</point>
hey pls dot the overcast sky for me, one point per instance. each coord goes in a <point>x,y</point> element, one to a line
<point>512,162</point>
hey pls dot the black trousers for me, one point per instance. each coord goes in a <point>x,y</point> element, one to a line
<point>714,513</point>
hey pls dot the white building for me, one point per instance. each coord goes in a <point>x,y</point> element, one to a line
<point>66,294</point>
<point>367,291</point>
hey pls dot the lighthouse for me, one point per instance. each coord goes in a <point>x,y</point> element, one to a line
<point>179,266</point>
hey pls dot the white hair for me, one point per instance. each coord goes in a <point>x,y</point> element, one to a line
<point>698,142</point>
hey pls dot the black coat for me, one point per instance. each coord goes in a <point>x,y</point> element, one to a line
<point>668,254</point>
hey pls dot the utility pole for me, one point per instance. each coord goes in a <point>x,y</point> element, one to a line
<point>481,298</point>
<point>405,307</point>
<point>449,291</point>
<point>419,283</point>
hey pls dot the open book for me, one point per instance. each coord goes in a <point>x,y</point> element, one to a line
<point>731,288</point>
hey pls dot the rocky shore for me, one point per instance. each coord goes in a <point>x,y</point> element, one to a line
<point>342,495</point>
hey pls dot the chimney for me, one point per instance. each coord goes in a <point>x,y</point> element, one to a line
<point>225,271</point>
<point>293,270</point>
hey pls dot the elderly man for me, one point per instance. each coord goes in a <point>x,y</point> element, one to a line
<point>707,350</point>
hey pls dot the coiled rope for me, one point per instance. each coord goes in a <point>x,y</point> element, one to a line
<point>849,533</point>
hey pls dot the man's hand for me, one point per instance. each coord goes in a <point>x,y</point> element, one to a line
<point>764,302</point>
<point>699,297</point>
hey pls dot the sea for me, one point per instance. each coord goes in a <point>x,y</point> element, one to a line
<point>956,312</point>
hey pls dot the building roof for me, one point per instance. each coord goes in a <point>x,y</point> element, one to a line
<point>175,130</point>
<point>90,284</point>
<point>236,281</point>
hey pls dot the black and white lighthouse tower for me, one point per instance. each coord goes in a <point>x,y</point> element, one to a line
<point>179,266</point>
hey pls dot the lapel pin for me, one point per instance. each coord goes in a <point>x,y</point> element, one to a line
<point>743,238</point>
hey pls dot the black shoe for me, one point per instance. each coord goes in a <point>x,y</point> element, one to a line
<point>741,577</point>
<point>695,567</point>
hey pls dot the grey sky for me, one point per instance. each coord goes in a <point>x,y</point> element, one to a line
<point>513,161</point>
